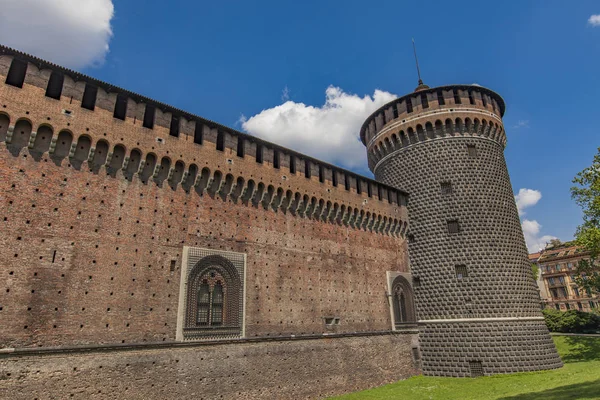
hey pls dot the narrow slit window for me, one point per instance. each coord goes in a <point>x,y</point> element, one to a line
<point>89,97</point>
<point>453,226</point>
<point>292,164</point>
<point>395,110</point>
<point>461,272</point>
<point>446,188</point>
<point>220,141</point>
<point>259,153</point>
<point>471,98</point>
<point>346,182</point>
<point>55,85</point>
<point>240,147</point>
<point>276,159</point>
<point>424,101</point>
<point>307,169</point>
<point>120,107</point>
<point>358,186</point>
<point>409,107</point>
<point>456,97</point>
<point>149,113</point>
<point>198,133</point>
<point>334,179</point>
<point>16,73</point>
<point>369,189</point>
<point>174,128</point>
<point>440,97</point>
<point>321,174</point>
<point>472,150</point>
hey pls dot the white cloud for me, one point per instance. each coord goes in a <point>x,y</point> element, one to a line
<point>329,132</point>
<point>594,20</point>
<point>72,33</point>
<point>527,198</point>
<point>522,123</point>
<point>531,231</point>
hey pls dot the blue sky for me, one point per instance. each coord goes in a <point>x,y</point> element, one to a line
<point>265,67</point>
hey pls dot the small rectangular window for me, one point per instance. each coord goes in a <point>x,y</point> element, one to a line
<point>259,153</point>
<point>55,85</point>
<point>89,97</point>
<point>424,101</point>
<point>307,169</point>
<point>440,97</point>
<point>330,321</point>
<point>276,159</point>
<point>120,107</point>
<point>292,164</point>
<point>476,369</point>
<point>198,133</point>
<point>220,141</point>
<point>149,113</point>
<point>446,188</point>
<point>174,128</point>
<point>453,227</point>
<point>321,174</point>
<point>461,272</point>
<point>409,107</point>
<point>16,73</point>
<point>334,178</point>
<point>416,281</point>
<point>472,150</point>
<point>240,146</point>
<point>172,267</point>
<point>456,97</point>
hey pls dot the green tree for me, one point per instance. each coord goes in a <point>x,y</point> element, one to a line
<point>586,194</point>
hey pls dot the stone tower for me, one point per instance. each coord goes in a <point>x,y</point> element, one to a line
<point>476,301</point>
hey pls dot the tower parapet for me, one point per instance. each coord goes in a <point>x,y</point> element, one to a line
<point>476,302</point>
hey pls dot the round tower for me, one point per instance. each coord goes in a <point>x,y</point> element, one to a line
<point>477,303</point>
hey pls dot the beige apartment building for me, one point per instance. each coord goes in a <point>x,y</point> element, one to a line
<point>557,268</point>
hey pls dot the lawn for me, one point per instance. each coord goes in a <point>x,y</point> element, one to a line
<point>578,379</point>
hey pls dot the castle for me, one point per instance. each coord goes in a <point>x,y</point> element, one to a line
<point>152,253</point>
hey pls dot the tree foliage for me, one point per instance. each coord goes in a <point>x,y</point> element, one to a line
<point>572,321</point>
<point>586,194</point>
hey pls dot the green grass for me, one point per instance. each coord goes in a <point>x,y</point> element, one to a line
<point>578,379</point>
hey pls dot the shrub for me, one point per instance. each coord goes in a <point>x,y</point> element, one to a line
<point>572,321</point>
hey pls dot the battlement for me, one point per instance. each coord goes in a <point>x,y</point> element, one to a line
<point>122,132</point>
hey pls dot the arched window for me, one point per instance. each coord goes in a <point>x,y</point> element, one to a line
<point>214,299</point>
<point>402,302</point>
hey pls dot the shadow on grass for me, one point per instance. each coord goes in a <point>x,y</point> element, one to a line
<point>582,349</point>
<point>584,390</point>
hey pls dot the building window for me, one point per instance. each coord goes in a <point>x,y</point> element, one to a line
<point>575,291</point>
<point>220,141</point>
<point>321,174</point>
<point>446,188</point>
<point>461,272</point>
<point>592,305</point>
<point>456,97</point>
<point>409,107</point>
<point>89,97</point>
<point>424,101</point>
<point>292,164</point>
<point>307,169</point>
<point>440,98</point>
<point>476,369</point>
<point>240,147</point>
<point>471,98</point>
<point>174,128</point>
<point>198,134</point>
<point>334,178</point>
<point>214,295</point>
<point>149,114</point>
<point>395,110</point>
<point>16,73</point>
<point>120,107</point>
<point>402,302</point>
<point>568,306</point>
<point>580,306</point>
<point>453,227</point>
<point>557,306</point>
<point>276,161</point>
<point>55,85</point>
<point>346,182</point>
<point>472,150</point>
<point>259,153</point>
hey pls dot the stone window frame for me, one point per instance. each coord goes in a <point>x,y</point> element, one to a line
<point>404,280</point>
<point>229,268</point>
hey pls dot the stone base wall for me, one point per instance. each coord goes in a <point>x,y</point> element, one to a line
<point>453,349</point>
<point>282,369</point>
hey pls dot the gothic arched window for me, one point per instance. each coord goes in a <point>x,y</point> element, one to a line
<point>214,299</point>
<point>402,302</point>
